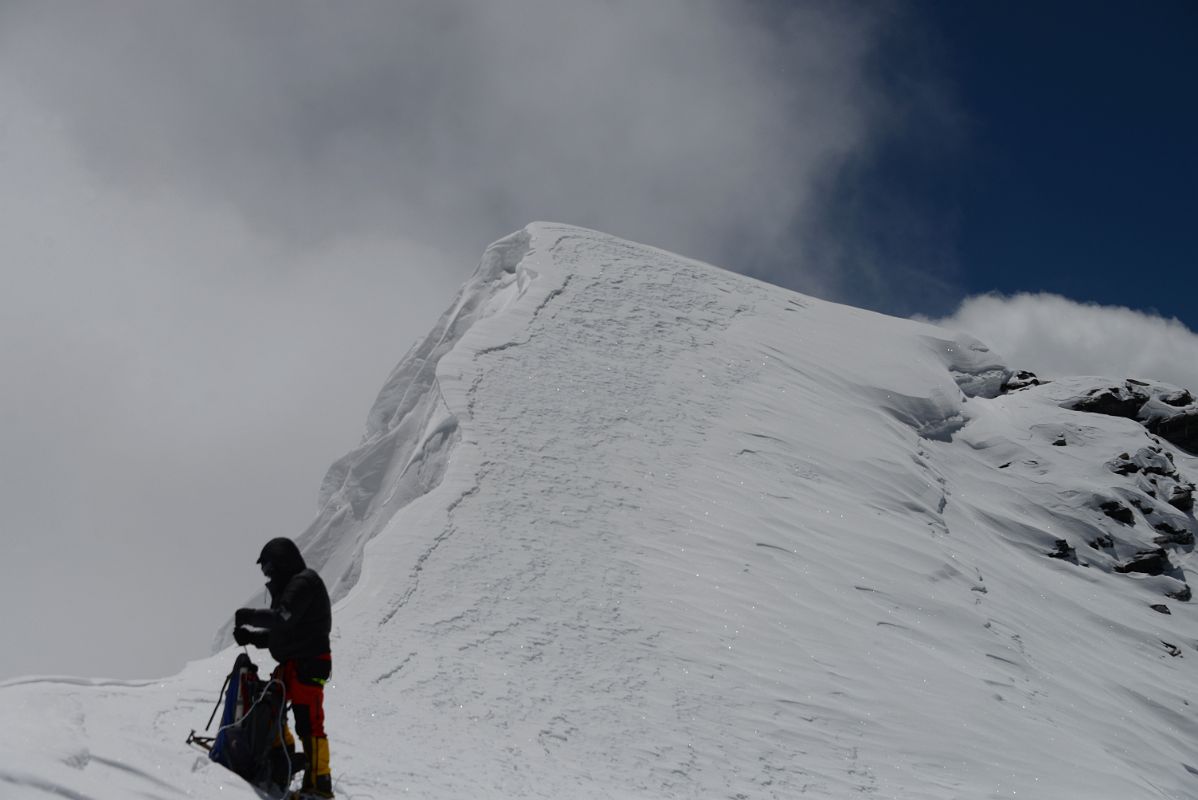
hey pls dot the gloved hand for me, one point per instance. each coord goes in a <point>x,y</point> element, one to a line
<point>241,636</point>
<point>242,617</point>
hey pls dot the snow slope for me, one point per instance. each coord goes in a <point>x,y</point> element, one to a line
<point>630,526</point>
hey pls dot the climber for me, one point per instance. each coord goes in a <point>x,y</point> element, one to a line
<point>296,631</point>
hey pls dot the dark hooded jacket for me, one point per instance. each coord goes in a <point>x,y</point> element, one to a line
<point>300,617</point>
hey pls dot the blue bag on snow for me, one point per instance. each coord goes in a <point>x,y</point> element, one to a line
<point>250,723</point>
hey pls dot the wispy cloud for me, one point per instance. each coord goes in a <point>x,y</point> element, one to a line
<point>1055,336</point>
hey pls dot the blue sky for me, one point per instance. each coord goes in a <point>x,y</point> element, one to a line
<point>1052,149</point>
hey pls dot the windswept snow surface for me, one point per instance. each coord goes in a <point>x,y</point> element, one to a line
<point>630,526</point>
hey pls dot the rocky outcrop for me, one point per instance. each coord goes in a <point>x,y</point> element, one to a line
<point>1148,562</point>
<point>1156,476</point>
<point>1166,411</point>
<point>1020,379</point>
<point>1115,401</point>
<point>1181,430</point>
<point>1064,551</point>
<point>1118,512</point>
<point>1152,502</point>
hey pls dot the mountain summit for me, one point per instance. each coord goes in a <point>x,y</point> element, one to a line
<point>626,525</point>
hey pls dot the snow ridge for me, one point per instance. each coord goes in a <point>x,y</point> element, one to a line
<point>628,525</point>
<point>409,431</point>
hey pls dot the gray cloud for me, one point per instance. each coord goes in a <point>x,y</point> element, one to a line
<point>223,222</point>
<point>1054,336</point>
<point>687,124</point>
<point>174,385</point>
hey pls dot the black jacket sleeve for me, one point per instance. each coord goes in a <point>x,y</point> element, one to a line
<point>285,611</point>
<point>256,617</point>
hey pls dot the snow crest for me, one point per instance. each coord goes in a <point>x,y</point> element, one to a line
<point>629,525</point>
<point>410,432</point>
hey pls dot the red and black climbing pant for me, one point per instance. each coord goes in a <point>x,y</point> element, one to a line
<point>303,681</point>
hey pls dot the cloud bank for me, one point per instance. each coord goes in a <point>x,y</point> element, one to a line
<point>224,222</point>
<point>1054,336</point>
<point>696,125</point>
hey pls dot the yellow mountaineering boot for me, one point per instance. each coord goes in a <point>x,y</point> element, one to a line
<point>318,781</point>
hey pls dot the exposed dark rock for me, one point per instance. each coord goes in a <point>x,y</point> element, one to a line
<point>1118,512</point>
<point>1153,461</point>
<point>1182,595</point>
<point>1103,543</point>
<point>1020,380</point>
<point>1064,551</point>
<point>1151,485</point>
<point>1182,497</point>
<point>1160,608</point>
<point>1148,562</point>
<point>1180,429</point>
<point>1116,401</point>
<point>1158,476</point>
<point>1164,526</point>
<point>1142,504</point>
<point>1149,460</point>
<point>1171,649</point>
<point>1123,465</point>
<point>1173,535</point>
<point>1165,411</point>
<point>1178,399</point>
<point>1060,441</point>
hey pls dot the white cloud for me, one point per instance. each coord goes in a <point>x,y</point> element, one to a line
<point>1054,336</point>
<point>223,222</point>
<point>175,384</point>
<point>695,125</point>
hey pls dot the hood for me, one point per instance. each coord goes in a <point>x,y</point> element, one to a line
<point>286,558</point>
